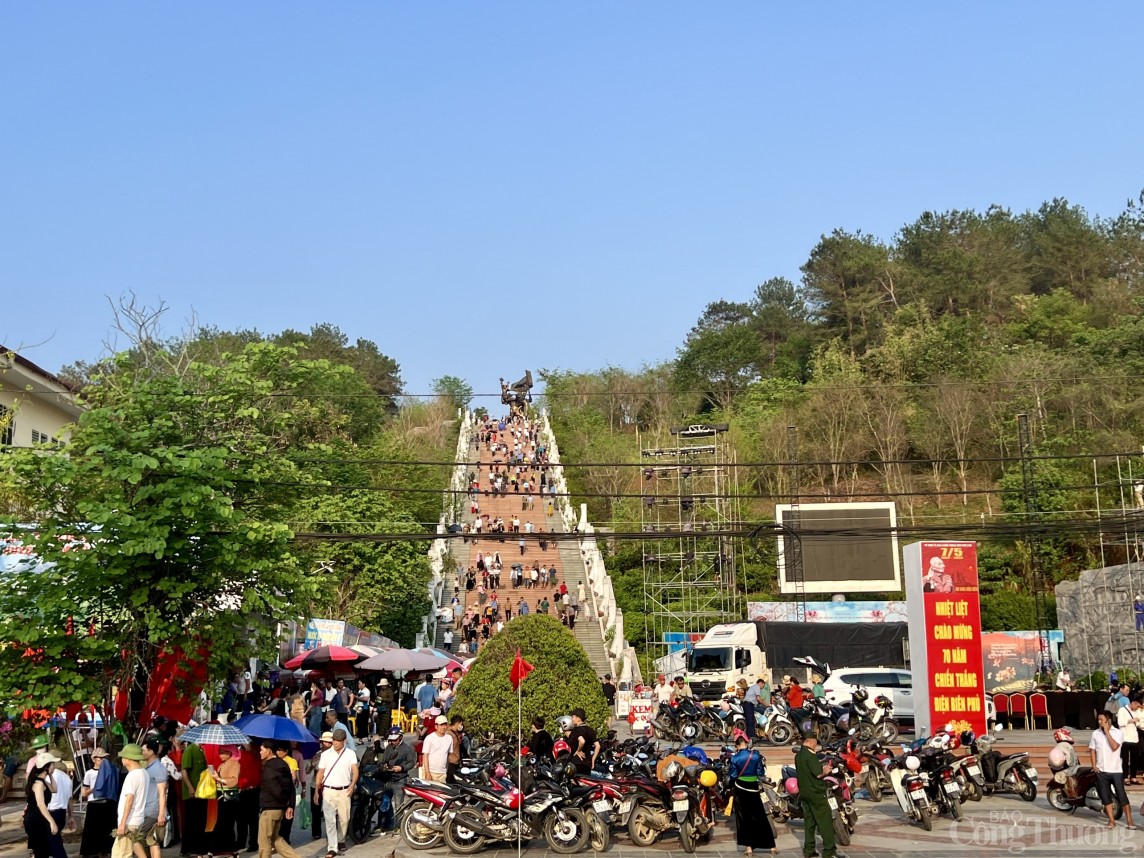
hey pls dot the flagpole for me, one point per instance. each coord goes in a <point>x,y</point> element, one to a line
<point>519,764</point>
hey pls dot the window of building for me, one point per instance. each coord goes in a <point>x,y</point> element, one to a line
<point>7,427</point>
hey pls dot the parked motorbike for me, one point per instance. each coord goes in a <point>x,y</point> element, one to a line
<point>910,786</point>
<point>547,812</point>
<point>1085,795</point>
<point>1005,773</point>
<point>774,723</point>
<point>873,722</point>
<point>838,796</point>
<point>691,802</point>
<point>369,800</point>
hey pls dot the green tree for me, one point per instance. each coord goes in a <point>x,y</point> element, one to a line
<point>180,487</point>
<point>456,391</point>
<point>380,586</point>
<point>563,679</point>
<point>722,354</point>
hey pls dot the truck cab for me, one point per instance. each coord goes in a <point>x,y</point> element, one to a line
<point>727,653</point>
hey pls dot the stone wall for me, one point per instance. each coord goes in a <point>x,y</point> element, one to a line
<point>1095,613</point>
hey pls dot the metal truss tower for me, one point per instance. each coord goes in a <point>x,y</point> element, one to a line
<point>690,582</point>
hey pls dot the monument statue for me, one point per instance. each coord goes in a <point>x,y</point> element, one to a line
<point>517,395</point>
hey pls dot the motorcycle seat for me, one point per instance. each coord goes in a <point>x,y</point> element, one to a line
<point>1017,756</point>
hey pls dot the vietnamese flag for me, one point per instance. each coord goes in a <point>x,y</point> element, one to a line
<point>520,669</point>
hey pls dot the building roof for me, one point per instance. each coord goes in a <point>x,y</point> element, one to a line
<point>36,369</point>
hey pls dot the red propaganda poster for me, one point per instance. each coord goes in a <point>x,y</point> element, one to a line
<point>944,611</point>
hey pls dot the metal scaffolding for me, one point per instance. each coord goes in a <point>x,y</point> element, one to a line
<point>689,583</point>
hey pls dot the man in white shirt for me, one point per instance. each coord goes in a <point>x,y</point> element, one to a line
<point>435,751</point>
<point>337,779</point>
<point>1104,750</point>
<point>60,807</point>
<point>664,690</point>
<point>137,787</point>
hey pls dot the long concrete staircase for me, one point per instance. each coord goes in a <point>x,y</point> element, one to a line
<point>561,551</point>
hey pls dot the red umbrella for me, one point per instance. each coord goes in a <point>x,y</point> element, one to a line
<point>324,657</point>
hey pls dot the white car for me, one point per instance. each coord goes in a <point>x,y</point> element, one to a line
<point>895,682</point>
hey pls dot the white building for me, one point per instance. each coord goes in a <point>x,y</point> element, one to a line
<point>36,407</point>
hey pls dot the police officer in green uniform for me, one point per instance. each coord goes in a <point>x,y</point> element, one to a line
<point>812,792</point>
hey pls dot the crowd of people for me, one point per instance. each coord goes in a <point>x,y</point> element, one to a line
<point>155,791</point>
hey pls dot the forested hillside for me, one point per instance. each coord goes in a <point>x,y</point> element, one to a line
<point>903,364</point>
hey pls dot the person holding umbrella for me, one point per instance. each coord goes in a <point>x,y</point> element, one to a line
<point>194,767</point>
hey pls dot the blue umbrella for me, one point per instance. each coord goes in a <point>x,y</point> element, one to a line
<point>279,729</point>
<point>214,734</point>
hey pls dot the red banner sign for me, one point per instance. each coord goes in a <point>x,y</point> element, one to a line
<point>945,646</point>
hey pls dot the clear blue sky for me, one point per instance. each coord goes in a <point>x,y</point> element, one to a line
<point>485,187</point>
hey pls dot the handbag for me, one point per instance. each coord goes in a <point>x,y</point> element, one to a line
<point>303,815</point>
<point>206,787</point>
<point>121,848</point>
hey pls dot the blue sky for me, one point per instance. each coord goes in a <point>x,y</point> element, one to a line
<point>485,187</point>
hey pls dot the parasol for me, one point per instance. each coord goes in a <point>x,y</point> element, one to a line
<point>278,728</point>
<point>214,734</point>
<point>404,660</point>
<point>324,656</point>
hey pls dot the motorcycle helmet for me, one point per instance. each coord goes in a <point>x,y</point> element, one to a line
<point>708,778</point>
<point>940,741</point>
<point>913,763</point>
<point>954,743</point>
<point>882,700</point>
<point>673,770</point>
<point>860,694</point>
<point>500,771</point>
<point>695,753</point>
<point>984,744</point>
<point>791,786</point>
<point>561,749</point>
<point>395,735</point>
<point>513,799</point>
<point>967,737</point>
<point>1063,735</point>
<point>564,722</point>
<point>690,731</point>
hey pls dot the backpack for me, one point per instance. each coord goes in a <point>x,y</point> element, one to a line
<point>1112,706</point>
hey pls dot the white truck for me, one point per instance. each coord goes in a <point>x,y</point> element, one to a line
<point>733,651</point>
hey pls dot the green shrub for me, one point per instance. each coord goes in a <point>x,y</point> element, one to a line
<point>563,679</point>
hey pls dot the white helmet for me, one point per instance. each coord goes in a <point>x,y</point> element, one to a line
<point>690,731</point>
<point>939,741</point>
<point>564,722</point>
<point>913,763</point>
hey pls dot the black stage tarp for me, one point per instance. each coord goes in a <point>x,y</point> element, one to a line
<point>838,644</point>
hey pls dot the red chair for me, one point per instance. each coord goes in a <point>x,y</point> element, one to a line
<point>1019,708</point>
<point>1001,704</point>
<point>1039,708</point>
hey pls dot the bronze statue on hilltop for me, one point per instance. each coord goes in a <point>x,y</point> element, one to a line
<point>518,395</point>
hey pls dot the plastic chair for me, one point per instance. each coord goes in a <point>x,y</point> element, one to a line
<point>1018,708</point>
<point>1039,708</point>
<point>1001,704</point>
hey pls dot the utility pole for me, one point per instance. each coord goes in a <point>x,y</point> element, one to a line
<point>1033,518</point>
<point>792,541</point>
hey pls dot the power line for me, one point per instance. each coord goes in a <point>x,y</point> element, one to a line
<point>1011,529</point>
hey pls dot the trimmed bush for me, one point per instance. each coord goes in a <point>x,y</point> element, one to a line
<point>563,679</point>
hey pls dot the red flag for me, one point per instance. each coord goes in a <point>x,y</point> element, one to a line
<point>520,669</point>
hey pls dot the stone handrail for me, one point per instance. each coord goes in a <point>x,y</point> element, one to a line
<point>450,514</point>
<point>608,613</point>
